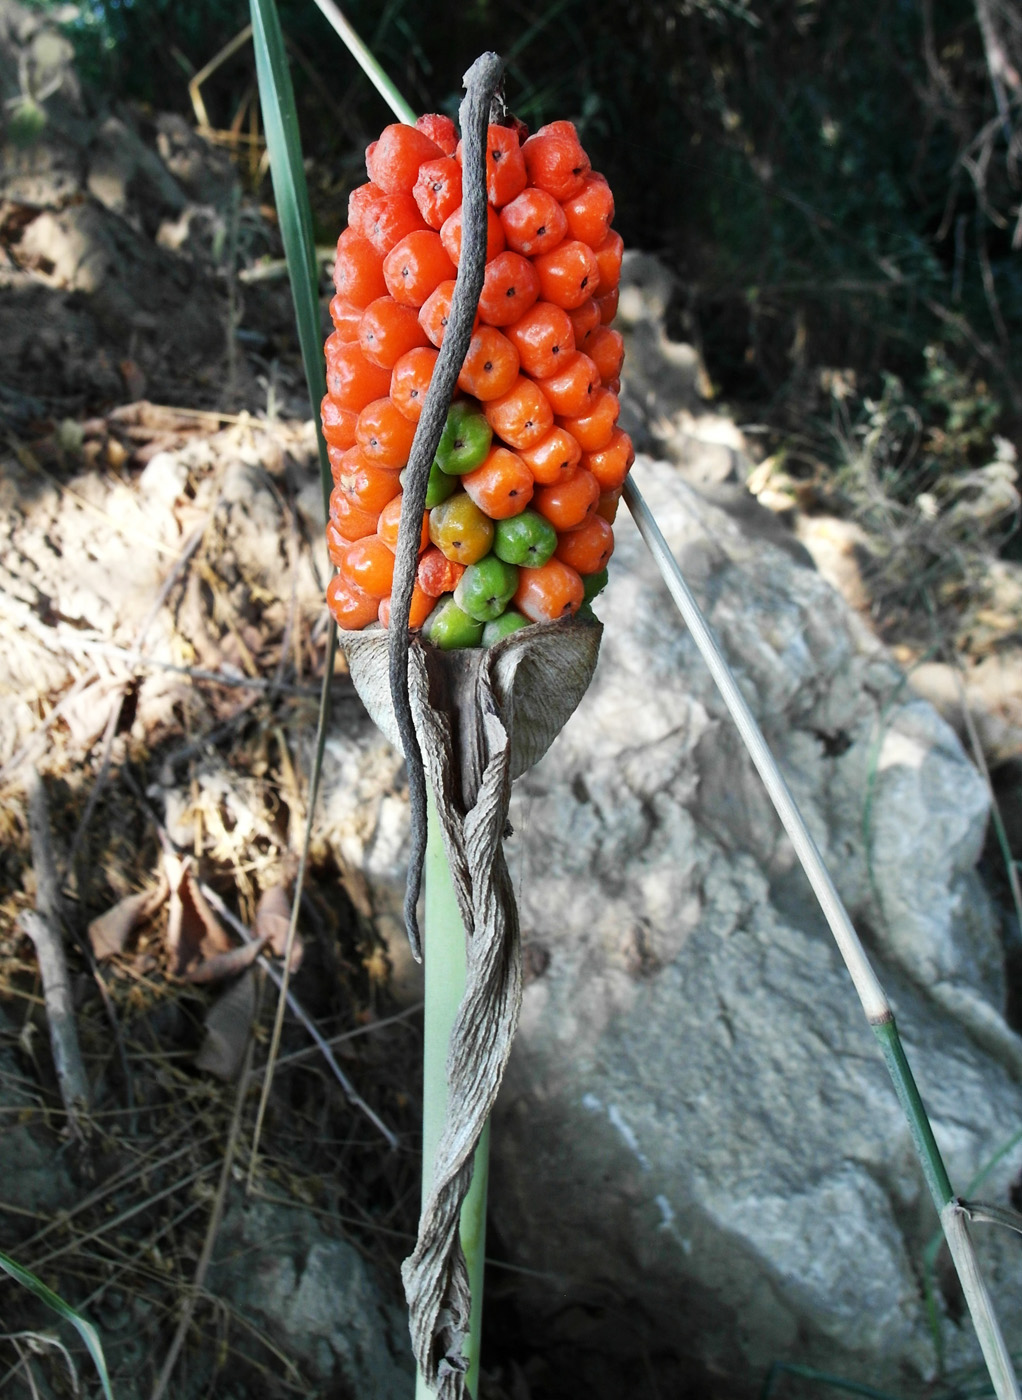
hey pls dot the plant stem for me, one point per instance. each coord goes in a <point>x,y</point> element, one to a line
<point>444,957</point>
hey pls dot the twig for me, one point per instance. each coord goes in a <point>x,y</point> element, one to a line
<point>36,738</point>
<point>481,84</point>
<point>212,1230</point>
<point>67,1056</point>
<point>322,1044</point>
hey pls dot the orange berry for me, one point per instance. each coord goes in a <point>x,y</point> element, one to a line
<point>590,211</point>
<point>345,316</point>
<point>566,130</point>
<point>505,165</point>
<point>451,235</point>
<point>608,258</point>
<point>384,434</point>
<point>390,219</point>
<point>395,158</point>
<point>567,503</point>
<point>502,486</point>
<point>588,547</point>
<point>440,129</point>
<point>608,503</point>
<point>369,565</point>
<point>610,465</point>
<point>510,287</point>
<point>534,223</point>
<point>435,312</point>
<point>352,381</point>
<point>437,191</point>
<point>338,423</point>
<point>387,331</point>
<point>362,202</point>
<point>556,163</point>
<point>570,391</point>
<point>544,339</point>
<point>490,366</point>
<point>607,302</point>
<point>347,522</point>
<point>421,607</point>
<point>553,458</point>
<point>569,274</point>
<point>521,416</point>
<point>351,608</point>
<point>553,590</point>
<point>411,379</point>
<point>606,349</point>
<point>368,486</point>
<point>592,431</point>
<point>584,320</point>
<point>390,523</point>
<point>416,266</point>
<point>437,574</point>
<point>358,270</point>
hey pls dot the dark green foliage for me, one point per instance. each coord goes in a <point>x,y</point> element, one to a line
<point>799,161</point>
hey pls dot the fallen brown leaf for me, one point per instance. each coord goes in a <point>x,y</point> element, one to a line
<point>193,930</point>
<point>109,932</point>
<point>223,965</point>
<point>228,1027</point>
<point>272,920</point>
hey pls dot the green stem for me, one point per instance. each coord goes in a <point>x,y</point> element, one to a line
<point>444,957</point>
<point>905,1087</point>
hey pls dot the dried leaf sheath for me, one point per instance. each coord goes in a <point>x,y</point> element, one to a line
<point>482,718</point>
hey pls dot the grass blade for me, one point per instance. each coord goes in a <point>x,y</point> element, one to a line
<point>84,1328</point>
<point>280,120</point>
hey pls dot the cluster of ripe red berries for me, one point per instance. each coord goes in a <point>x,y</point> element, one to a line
<point>530,469</point>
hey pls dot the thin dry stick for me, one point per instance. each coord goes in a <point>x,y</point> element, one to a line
<point>481,83</point>
<point>212,1230</point>
<point>67,1057</point>
<point>322,1044</point>
<point>36,740</point>
<point>43,927</point>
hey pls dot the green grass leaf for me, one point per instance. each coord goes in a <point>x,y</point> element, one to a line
<point>280,121</point>
<point>85,1329</point>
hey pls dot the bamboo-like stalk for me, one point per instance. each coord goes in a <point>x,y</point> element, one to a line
<point>444,959</point>
<point>872,996</point>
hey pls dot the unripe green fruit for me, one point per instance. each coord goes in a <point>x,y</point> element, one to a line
<point>486,588</point>
<point>465,440</point>
<point>449,628</point>
<point>527,539</point>
<point>593,584</point>
<point>501,627</point>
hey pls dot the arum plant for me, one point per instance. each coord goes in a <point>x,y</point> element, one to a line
<point>471,722</point>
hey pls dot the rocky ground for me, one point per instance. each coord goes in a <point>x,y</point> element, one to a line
<point>699,1171</point>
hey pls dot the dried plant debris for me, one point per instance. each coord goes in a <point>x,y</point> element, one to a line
<point>109,933</point>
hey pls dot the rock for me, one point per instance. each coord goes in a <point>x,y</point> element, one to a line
<point>316,1297</point>
<point>697,1143</point>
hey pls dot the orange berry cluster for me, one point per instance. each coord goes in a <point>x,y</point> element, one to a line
<point>532,463</point>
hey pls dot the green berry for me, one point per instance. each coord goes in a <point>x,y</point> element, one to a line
<point>465,440</point>
<point>486,588</point>
<point>593,584</point>
<point>527,539</point>
<point>501,627</point>
<point>448,628</point>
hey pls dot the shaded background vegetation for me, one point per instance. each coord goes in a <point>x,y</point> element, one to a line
<point>836,184</point>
